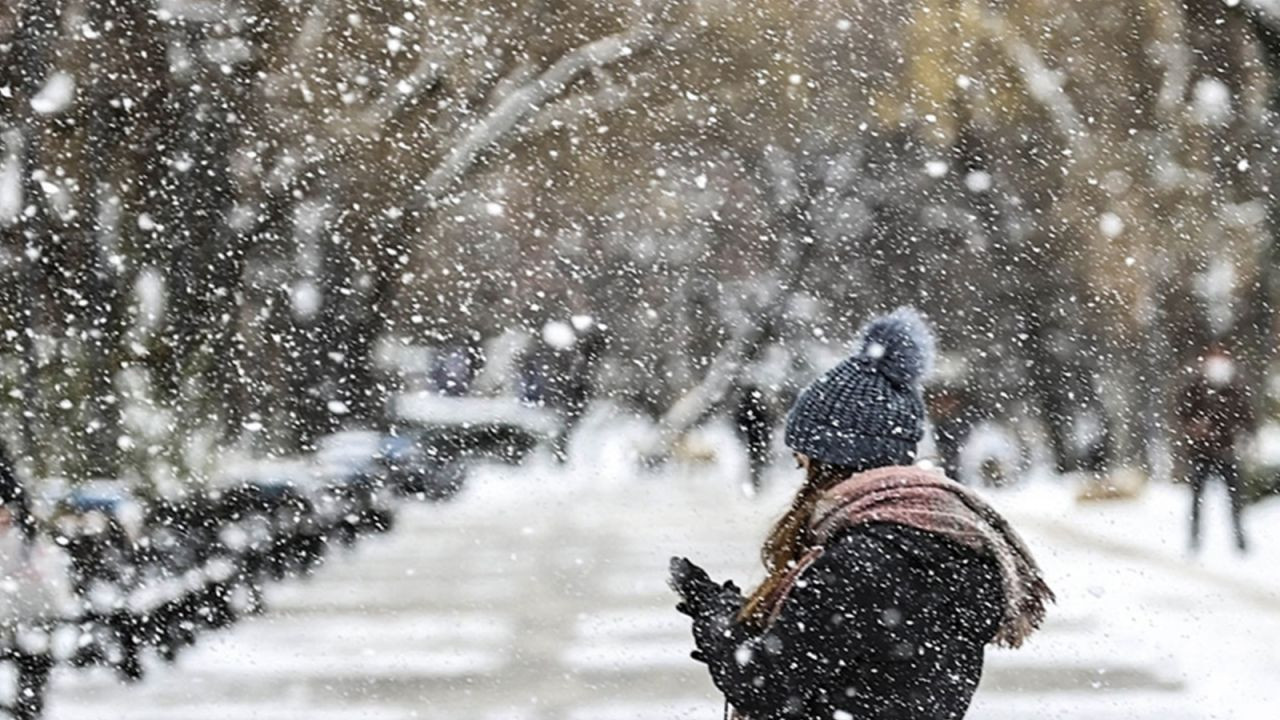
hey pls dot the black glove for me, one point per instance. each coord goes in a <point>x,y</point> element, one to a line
<point>692,584</point>
<point>697,590</point>
<point>713,607</point>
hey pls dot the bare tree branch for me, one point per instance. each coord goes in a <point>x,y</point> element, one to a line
<point>523,101</point>
<point>792,199</point>
<point>1268,10</point>
<point>611,96</point>
<point>394,98</point>
<point>1264,16</point>
<point>400,93</point>
<point>1043,84</point>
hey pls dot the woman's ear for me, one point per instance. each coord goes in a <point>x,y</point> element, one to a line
<point>802,461</point>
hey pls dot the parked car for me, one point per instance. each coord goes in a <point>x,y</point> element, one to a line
<point>460,429</point>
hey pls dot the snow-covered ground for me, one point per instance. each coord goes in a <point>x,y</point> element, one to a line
<point>1143,628</point>
<point>540,594</point>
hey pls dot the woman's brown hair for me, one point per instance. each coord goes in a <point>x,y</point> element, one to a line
<point>789,538</point>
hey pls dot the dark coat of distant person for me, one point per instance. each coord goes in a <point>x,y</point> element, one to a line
<point>1213,414</point>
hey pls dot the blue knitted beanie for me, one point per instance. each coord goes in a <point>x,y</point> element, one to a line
<point>867,412</point>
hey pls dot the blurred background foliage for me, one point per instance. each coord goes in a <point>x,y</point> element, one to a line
<point>213,211</point>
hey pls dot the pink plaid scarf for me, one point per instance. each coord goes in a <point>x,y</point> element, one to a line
<point>931,502</point>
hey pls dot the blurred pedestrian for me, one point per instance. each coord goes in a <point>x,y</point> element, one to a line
<point>954,412</point>
<point>1213,411</point>
<point>33,592</point>
<point>580,377</point>
<point>754,424</point>
<point>14,502</point>
<point>560,374</point>
<point>885,581</point>
<point>545,366</point>
<point>455,367</point>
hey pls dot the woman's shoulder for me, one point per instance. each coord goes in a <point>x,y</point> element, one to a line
<point>892,536</point>
<point>882,545</point>
<point>874,550</point>
<point>916,570</point>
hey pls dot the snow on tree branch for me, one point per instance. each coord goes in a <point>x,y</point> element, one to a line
<point>526,99</point>
<point>1043,83</point>
<point>380,111</point>
<point>1268,10</point>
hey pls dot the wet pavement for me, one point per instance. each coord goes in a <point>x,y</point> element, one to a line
<point>538,600</point>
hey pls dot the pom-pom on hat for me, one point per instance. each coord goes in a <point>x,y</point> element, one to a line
<point>867,412</point>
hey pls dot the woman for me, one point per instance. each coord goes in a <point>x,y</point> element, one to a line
<point>885,581</point>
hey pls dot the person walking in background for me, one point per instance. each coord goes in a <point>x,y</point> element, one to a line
<point>1213,411</point>
<point>754,424</point>
<point>559,373</point>
<point>885,581</point>
<point>455,366</point>
<point>14,502</point>
<point>33,591</point>
<point>579,382</point>
<point>954,412</point>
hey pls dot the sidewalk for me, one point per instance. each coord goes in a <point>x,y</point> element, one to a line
<point>1142,629</point>
<point>540,595</point>
<point>1153,528</point>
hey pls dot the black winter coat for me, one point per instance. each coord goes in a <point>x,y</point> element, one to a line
<point>1212,416</point>
<point>888,624</point>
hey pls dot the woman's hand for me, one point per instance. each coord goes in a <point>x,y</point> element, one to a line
<point>697,591</point>
<point>692,584</point>
<point>712,606</point>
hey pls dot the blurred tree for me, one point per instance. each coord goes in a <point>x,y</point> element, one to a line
<point>212,212</point>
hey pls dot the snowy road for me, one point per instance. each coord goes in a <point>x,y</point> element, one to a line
<point>541,596</point>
